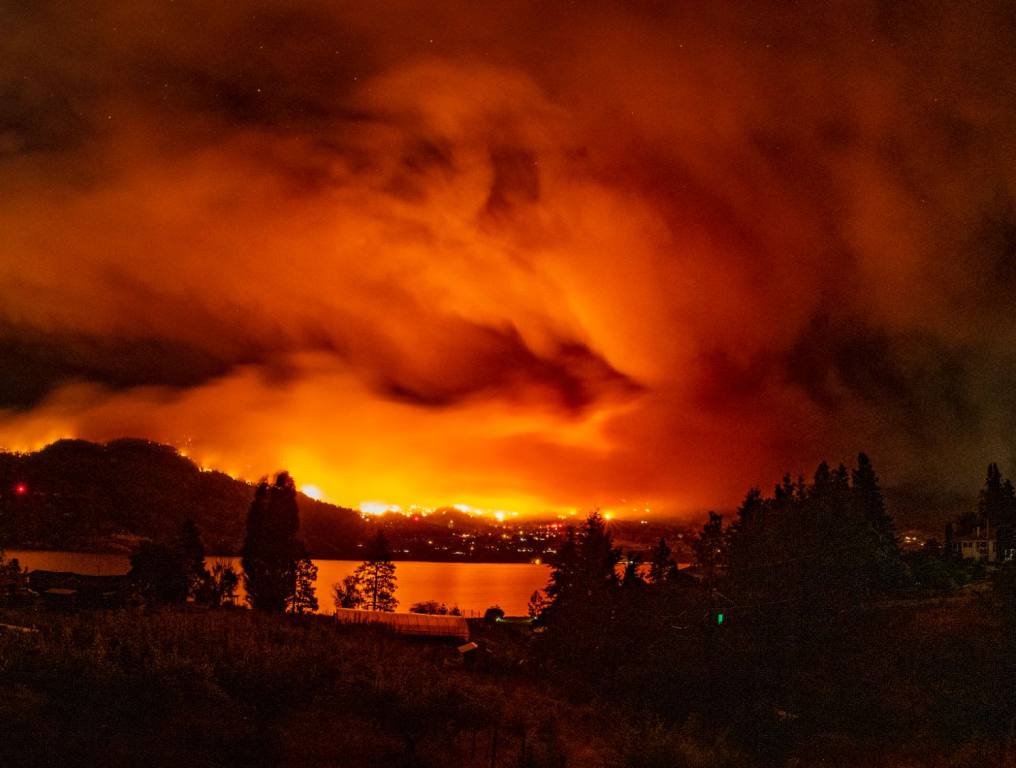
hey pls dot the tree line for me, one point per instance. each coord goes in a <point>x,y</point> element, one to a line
<point>737,636</point>
<point>278,575</point>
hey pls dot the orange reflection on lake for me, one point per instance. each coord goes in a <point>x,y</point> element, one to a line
<point>473,587</point>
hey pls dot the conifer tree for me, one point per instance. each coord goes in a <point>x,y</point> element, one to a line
<point>271,551</point>
<point>839,573</point>
<point>996,512</point>
<point>991,503</point>
<point>883,553</point>
<point>564,568</point>
<point>869,499</point>
<point>597,555</point>
<point>710,549</point>
<point>749,546</point>
<point>191,550</point>
<point>304,598</point>
<point>376,576</point>
<point>158,573</point>
<point>584,571</point>
<point>661,567</point>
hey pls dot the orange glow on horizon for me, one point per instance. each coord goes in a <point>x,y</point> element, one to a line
<point>312,491</point>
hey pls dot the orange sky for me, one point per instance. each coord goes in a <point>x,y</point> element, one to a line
<point>534,257</point>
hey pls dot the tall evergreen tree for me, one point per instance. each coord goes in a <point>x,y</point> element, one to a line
<point>869,500</point>
<point>839,573</point>
<point>992,502</point>
<point>710,549</point>
<point>884,552</point>
<point>661,566</point>
<point>597,555</point>
<point>583,571</point>
<point>376,576</point>
<point>171,572</point>
<point>996,512</point>
<point>304,598</point>
<point>271,552</point>
<point>564,569</point>
<point>159,573</point>
<point>750,547</point>
<point>191,550</point>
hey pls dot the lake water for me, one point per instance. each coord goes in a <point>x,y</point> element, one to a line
<point>473,587</point>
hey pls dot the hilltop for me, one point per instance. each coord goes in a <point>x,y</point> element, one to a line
<point>79,495</point>
<point>104,497</point>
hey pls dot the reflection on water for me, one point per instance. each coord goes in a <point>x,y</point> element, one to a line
<point>473,587</point>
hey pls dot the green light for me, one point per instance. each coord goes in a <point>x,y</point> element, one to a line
<point>719,618</point>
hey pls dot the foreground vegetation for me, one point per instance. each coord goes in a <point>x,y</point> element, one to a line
<point>235,687</point>
<point>231,687</point>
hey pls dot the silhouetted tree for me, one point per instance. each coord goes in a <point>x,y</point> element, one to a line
<point>494,613</point>
<point>172,572</point>
<point>271,552</point>
<point>996,511</point>
<point>537,603</point>
<point>750,543</point>
<point>433,608</point>
<point>304,598</point>
<point>580,617</point>
<point>159,573</point>
<point>347,593</point>
<point>376,576</point>
<point>662,568</point>
<point>11,576</point>
<point>584,568</point>
<point>220,587</point>
<point>827,544</point>
<point>9,568</point>
<point>1004,591</point>
<point>840,573</point>
<point>191,549</point>
<point>710,549</point>
<point>994,499</point>
<point>883,553</point>
<point>631,578</point>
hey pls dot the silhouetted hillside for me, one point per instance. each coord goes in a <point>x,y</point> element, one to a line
<point>74,494</point>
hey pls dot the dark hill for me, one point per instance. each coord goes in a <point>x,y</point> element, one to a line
<point>89,496</point>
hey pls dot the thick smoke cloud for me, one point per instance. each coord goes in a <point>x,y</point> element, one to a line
<point>536,256</point>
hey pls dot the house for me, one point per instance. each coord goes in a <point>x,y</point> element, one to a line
<point>976,547</point>
<point>992,544</point>
<point>67,590</point>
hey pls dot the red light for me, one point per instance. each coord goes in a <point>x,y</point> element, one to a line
<point>21,489</point>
